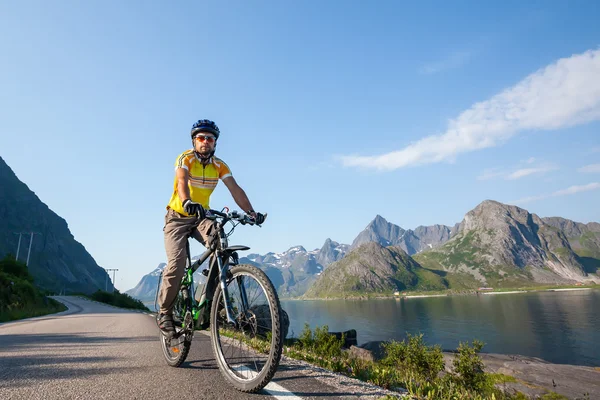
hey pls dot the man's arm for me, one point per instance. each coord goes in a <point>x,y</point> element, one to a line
<point>238,194</point>
<point>183,190</point>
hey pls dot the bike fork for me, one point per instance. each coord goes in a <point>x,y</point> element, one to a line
<point>228,308</point>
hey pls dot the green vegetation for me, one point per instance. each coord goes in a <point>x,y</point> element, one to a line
<point>409,364</point>
<point>118,299</point>
<point>469,368</point>
<point>19,297</point>
<point>412,354</point>
<point>462,250</point>
<point>430,280</point>
<point>562,252</point>
<point>589,239</point>
<point>375,272</point>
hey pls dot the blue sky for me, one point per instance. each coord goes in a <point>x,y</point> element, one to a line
<point>330,112</point>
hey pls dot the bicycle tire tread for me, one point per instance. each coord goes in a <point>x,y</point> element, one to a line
<point>275,358</point>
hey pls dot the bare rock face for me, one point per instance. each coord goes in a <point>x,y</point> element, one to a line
<point>496,241</point>
<point>58,262</point>
<point>411,241</point>
<point>429,237</point>
<point>331,252</point>
<point>379,231</point>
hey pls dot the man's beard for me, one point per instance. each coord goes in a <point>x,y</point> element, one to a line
<point>205,154</point>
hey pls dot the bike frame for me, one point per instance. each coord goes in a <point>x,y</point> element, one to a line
<point>218,272</point>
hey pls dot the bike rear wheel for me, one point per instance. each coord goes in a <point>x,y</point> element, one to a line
<point>177,348</point>
<point>248,354</point>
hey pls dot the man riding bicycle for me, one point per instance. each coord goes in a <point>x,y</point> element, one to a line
<point>197,172</point>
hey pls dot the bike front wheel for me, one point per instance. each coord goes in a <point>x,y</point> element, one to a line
<point>248,351</point>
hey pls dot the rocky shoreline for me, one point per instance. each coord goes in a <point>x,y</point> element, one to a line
<point>534,376</point>
<point>449,293</point>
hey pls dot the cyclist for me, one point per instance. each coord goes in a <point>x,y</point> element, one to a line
<point>197,172</point>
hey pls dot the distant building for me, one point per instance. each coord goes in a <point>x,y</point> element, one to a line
<point>396,293</point>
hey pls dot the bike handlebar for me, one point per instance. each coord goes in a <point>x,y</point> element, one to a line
<point>231,215</point>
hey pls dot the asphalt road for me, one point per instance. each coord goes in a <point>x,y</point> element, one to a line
<point>94,351</point>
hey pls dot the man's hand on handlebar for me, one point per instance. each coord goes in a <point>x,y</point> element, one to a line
<point>259,218</point>
<point>193,208</point>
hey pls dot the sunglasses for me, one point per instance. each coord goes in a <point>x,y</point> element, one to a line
<point>204,138</point>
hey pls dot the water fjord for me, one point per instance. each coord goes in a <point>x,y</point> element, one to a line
<point>560,327</point>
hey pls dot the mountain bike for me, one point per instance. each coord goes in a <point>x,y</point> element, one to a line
<point>240,306</point>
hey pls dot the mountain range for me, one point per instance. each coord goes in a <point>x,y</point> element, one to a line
<point>494,245</point>
<point>292,271</point>
<point>411,241</point>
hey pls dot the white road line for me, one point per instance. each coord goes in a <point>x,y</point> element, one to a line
<point>275,390</point>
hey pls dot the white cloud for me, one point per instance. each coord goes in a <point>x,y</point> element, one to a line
<point>577,189</point>
<point>570,190</point>
<point>520,173</point>
<point>562,94</point>
<point>590,168</point>
<point>517,172</point>
<point>455,60</point>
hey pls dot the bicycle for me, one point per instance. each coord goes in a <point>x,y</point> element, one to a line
<point>240,306</point>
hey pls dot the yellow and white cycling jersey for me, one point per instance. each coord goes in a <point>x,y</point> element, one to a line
<point>203,179</point>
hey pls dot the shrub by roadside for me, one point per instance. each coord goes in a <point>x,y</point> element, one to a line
<point>19,297</point>
<point>409,364</point>
<point>118,299</point>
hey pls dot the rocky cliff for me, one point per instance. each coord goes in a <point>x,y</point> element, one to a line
<point>411,241</point>
<point>504,245</point>
<point>58,262</point>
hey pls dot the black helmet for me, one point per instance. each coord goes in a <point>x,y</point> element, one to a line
<point>205,125</point>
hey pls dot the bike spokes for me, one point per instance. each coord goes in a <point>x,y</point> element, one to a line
<point>248,350</point>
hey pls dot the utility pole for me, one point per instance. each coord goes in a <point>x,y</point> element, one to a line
<point>30,243</point>
<point>113,279</point>
<point>19,245</point>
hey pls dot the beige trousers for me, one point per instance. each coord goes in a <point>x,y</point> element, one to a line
<point>178,228</point>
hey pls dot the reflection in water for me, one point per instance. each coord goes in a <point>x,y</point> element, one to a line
<point>561,327</point>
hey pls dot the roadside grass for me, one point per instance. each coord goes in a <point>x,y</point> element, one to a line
<point>117,299</point>
<point>48,306</point>
<point>19,297</point>
<point>410,365</point>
